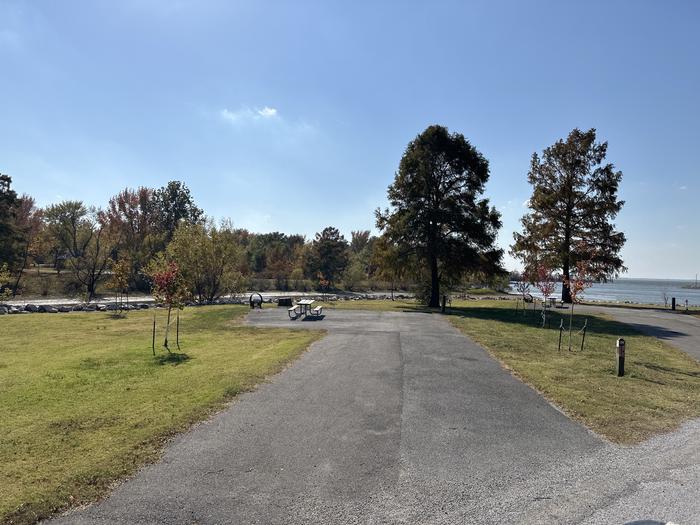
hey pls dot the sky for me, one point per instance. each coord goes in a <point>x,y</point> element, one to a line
<point>292,116</point>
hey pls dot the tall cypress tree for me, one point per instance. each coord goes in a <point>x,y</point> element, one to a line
<point>574,202</point>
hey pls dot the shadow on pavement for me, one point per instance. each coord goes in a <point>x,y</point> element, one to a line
<point>596,323</point>
<point>657,331</point>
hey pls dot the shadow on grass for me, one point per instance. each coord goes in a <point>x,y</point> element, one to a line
<point>172,358</point>
<point>660,368</point>
<point>596,324</point>
<point>656,331</point>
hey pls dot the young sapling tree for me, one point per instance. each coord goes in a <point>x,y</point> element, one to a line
<point>545,282</point>
<point>523,288</point>
<point>121,270</point>
<point>578,283</point>
<point>169,288</point>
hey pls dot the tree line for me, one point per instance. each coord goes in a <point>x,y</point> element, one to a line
<point>115,245</point>
<point>438,233</point>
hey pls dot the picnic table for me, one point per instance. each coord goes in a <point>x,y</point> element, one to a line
<point>303,307</point>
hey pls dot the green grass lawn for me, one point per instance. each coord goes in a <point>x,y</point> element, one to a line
<point>660,390</point>
<point>84,402</point>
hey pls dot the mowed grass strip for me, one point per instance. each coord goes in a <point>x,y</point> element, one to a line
<point>660,390</point>
<point>84,402</point>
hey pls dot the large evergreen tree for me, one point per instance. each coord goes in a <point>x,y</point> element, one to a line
<point>328,255</point>
<point>574,202</point>
<point>174,204</point>
<point>437,212</point>
<point>10,236</point>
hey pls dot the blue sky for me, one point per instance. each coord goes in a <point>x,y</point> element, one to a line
<point>292,116</point>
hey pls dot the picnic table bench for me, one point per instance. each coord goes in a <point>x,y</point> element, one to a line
<point>294,311</point>
<point>316,312</point>
<point>303,307</point>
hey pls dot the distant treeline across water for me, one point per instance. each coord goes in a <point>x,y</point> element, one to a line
<point>646,291</point>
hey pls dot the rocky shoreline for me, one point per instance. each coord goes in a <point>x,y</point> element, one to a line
<point>66,305</point>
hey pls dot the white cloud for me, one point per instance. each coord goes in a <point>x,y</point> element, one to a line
<point>267,112</point>
<point>526,204</point>
<point>247,114</point>
<point>683,188</point>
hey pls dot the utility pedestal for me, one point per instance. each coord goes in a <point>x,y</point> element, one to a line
<point>620,353</point>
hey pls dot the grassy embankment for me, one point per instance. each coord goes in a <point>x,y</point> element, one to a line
<point>660,390</point>
<point>84,402</point>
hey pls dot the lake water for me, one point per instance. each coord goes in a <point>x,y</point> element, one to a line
<point>648,291</point>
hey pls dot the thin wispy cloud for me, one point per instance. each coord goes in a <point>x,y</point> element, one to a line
<point>683,188</point>
<point>247,114</point>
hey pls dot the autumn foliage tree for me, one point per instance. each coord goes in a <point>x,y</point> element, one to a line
<point>119,281</point>
<point>572,208</point>
<point>29,224</point>
<point>130,218</point>
<point>208,260</point>
<point>388,262</point>
<point>168,287</point>
<point>83,236</point>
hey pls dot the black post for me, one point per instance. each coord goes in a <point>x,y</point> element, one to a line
<point>444,302</point>
<point>153,341</point>
<point>177,330</point>
<point>673,303</point>
<point>620,352</point>
<point>583,339</point>
<point>561,329</point>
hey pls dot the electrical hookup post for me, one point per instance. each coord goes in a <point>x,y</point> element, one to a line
<point>620,353</point>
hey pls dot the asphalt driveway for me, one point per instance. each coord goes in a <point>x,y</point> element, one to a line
<point>395,418</point>
<point>679,329</point>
